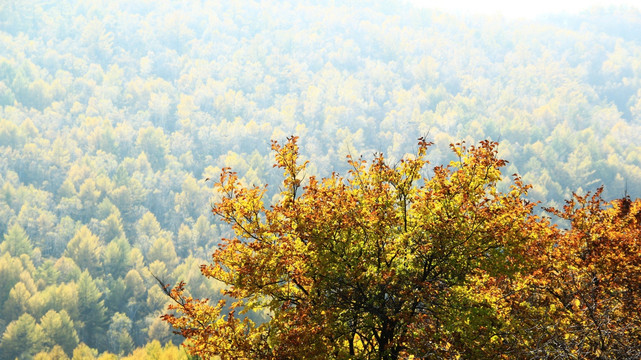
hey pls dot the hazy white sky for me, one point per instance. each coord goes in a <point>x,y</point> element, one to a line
<point>520,8</point>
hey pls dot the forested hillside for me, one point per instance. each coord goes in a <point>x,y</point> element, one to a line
<point>114,113</point>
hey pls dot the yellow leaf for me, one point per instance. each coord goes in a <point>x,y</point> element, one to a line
<point>575,304</point>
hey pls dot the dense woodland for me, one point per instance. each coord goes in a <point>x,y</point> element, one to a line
<point>114,113</point>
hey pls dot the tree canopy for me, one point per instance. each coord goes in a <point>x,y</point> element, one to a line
<point>396,260</point>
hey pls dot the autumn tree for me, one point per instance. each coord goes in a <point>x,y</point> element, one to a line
<point>387,262</point>
<point>588,291</point>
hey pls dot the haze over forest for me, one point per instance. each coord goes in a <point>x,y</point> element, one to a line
<point>113,114</point>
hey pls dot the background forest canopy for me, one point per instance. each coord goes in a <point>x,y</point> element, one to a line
<point>112,114</point>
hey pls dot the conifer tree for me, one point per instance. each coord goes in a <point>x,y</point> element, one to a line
<point>16,241</point>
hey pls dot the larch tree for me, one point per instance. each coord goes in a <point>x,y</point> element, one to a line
<point>22,337</point>
<point>57,329</point>
<point>16,241</point>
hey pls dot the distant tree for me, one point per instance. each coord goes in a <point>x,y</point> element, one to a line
<point>70,207</point>
<point>10,269</point>
<point>55,353</point>
<point>85,250</point>
<point>69,270</point>
<point>9,135</point>
<point>153,142</point>
<point>158,330</point>
<point>16,242</point>
<point>112,227</point>
<point>189,202</point>
<point>88,194</point>
<point>154,350</point>
<point>58,329</point>
<point>45,237</point>
<point>84,352</point>
<point>135,284</point>
<point>129,198</point>
<point>106,208</point>
<point>91,312</point>
<point>7,96</point>
<point>185,242</point>
<point>116,299</point>
<point>98,43</point>
<point>47,273</point>
<point>160,105</point>
<point>204,232</point>
<point>17,302</point>
<point>116,257</point>
<point>7,215</point>
<point>21,338</point>
<point>163,250</point>
<point>61,297</point>
<point>118,335</point>
<point>148,229</point>
<point>37,222</point>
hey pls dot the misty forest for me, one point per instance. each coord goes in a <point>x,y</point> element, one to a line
<point>288,160</point>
